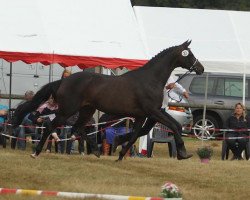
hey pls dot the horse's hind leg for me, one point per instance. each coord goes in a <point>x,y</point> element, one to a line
<point>49,126</point>
<point>59,120</point>
<point>85,114</point>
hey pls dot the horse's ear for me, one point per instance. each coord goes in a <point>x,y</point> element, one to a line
<point>187,43</point>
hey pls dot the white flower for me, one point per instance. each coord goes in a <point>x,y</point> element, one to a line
<point>170,190</point>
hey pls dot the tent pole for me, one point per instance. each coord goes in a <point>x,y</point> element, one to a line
<point>242,55</point>
<point>51,68</point>
<point>98,70</point>
<point>50,72</point>
<point>10,87</point>
<point>244,86</point>
<point>204,111</point>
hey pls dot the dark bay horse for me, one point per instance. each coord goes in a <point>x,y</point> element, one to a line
<point>137,94</point>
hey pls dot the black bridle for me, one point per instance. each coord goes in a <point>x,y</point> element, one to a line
<point>191,69</point>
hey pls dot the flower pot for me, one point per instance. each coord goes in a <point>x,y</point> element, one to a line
<point>205,160</point>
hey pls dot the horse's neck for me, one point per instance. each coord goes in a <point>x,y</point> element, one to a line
<point>161,69</point>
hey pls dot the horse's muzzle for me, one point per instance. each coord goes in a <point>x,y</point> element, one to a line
<point>198,68</point>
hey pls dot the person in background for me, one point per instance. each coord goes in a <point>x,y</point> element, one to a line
<point>66,73</point>
<point>108,132</point>
<point>239,120</point>
<point>3,116</point>
<point>26,125</point>
<point>44,114</point>
<point>29,94</point>
<point>171,84</point>
<point>61,132</point>
<point>89,128</point>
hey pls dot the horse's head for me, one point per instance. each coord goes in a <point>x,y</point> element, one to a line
<point>187,60</point>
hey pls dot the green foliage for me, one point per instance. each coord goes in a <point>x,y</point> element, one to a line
<point>205,152</point>
<point>167,194</point>
<point>243,5</point>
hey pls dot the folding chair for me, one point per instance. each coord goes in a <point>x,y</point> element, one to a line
<point>225,149</point>
<point>160,135</point>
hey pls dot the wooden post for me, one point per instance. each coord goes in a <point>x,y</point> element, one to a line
<point>127,130</point>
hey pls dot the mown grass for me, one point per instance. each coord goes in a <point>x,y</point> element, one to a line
<point>131,177</point>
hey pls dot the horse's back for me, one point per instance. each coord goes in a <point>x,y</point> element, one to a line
<point>111,94</point>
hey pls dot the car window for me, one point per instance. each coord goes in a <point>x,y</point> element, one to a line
<point>231,87</point>
<point>197,85</point>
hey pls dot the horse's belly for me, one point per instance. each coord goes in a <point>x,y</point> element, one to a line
<point>118,108</point>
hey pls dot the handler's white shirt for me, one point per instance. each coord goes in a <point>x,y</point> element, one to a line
<point>179,88</point>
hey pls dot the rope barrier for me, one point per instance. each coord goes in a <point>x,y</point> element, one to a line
<point>67,127</point>
<point>211,137</point>
<point>5,191</point>
<point>122,119</point>
<point>62,127</point>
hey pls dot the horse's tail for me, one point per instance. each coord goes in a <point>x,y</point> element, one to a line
<point>40,97</point>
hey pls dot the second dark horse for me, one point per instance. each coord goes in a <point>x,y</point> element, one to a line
<point>137,94</point>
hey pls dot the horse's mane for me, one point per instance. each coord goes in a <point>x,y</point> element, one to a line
<point>164,52</point>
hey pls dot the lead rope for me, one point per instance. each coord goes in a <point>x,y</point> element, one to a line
<point>181,77</point>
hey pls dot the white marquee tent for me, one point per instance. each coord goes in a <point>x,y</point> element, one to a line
<point>220,39</point>
<point>79,32</point>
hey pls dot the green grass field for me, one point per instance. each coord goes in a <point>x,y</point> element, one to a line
<point>131,177</point>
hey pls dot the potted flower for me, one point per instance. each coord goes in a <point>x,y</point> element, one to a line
<point>205,153</point>
<point>170,190</point>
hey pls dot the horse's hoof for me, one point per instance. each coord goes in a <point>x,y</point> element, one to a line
<point>97,154</point>
<point>184,156</point>
<point>118,160</point>
<point>182,153</point>
<point>115,144</point>
<point>33,155</point>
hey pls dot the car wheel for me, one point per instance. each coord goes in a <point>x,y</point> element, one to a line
<point>210,127</point>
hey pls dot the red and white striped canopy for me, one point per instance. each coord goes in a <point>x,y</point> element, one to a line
<point>86,33</point>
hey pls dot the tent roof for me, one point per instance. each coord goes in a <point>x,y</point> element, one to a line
<point>220,39</point>
<point>79,32</point>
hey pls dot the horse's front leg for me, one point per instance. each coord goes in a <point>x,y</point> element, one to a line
<point>85,115</point>
<point>131,136</point>
<point>167,120</point>
<point>147,127</point>
<point>93,146</point>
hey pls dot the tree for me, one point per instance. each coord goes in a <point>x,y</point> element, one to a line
<point>243,5</point>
